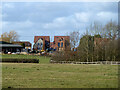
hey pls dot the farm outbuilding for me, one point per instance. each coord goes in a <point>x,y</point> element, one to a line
<point>6,47</point>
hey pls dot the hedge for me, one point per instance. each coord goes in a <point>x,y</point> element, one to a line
<point>17,60</point>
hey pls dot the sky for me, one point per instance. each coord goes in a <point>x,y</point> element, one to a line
<point>31,19</point>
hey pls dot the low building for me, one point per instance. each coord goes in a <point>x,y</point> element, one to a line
<point>26,44</point>
<point>6,47</point>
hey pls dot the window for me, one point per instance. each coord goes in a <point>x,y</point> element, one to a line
<point>62,44</point>
<point>41,45</point>
<point>18,50</point>
<point>61,39</point>
<point>28,44</point>
<point>58,44</point>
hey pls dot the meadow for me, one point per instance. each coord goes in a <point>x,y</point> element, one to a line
<point>46,75</point>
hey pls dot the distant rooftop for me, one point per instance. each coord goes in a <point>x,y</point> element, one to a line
<point>3,42</point>
<point>6,44</point>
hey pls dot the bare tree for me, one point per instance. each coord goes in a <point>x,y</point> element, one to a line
<point>95,28</point>
<point>9,37</point>
<point>109,33</point>
<point>74,39</point>
<point>110,30</point>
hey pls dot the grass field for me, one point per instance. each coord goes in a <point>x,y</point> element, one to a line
<point>46,75</point>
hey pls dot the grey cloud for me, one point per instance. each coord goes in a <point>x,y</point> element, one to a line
<point>30,19</point>
<point>46,12</point>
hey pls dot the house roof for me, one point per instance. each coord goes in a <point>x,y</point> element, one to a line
<point>10,45</point>
<point>99,40</point>
<point>6,44</point>
<point>3,42</point>
<point>27,43</point>
<point>62,36</point>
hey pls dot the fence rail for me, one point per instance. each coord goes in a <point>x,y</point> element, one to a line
<point>98,62</point>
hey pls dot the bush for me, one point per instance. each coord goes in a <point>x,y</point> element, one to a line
<point>65,56</point>
<point>17,60</point>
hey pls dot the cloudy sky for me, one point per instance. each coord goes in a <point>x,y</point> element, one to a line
<point>54,18</point>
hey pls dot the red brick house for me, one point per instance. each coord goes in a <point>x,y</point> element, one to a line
<point>61,43</point>
<point>41,42</point>
<point>100,41</point>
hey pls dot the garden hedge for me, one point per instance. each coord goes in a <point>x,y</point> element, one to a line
<point>17,60</point>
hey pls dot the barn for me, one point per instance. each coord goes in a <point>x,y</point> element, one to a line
<point>6,47</point>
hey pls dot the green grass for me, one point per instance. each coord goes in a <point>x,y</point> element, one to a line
<point>42,59</point>
<point>29,75</point>
<point>46,75</point>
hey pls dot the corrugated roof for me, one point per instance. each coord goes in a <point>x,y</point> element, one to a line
<point>10,45</point>
<point>27,43</point>
<point>3,42</point>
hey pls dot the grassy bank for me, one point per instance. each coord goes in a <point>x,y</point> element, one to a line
<point>24,75</point>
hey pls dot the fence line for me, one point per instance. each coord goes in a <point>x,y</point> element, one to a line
<point>98,62</point>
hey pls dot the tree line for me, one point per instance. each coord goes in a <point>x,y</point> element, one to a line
<point>98,43</point>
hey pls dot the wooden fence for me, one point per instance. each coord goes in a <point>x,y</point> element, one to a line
<point>98,62</point>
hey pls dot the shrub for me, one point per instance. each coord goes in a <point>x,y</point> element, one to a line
<point>65,56</point>
<point>17,60</point>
